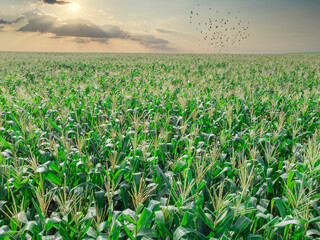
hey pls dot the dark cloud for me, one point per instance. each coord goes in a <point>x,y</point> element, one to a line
<point>18,19</point>
<point>150,41</point>
<point>11,22</point>
<point>4,22</point>
<point>55,2</point>
<point>85,31</point>
<point>81,40</point>
<point>99,40</point>
<point>80,30</point>
<point>164,31</point>
<point>115,31</point>
<point>38,22</point>
<point>88,40</point>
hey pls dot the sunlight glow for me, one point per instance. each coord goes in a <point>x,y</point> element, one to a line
<point>74,6</point>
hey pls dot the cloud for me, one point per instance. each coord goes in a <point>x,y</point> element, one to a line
<point>55,2</point>
<point>38,22</point>
<point>164,31</point>
<point>11,22</point>
<point>4,22</point>
<point>88,40</point>
<point>85,31</point>
<point>151,41</point>
<point>83,28</point>
<point>81,40</point>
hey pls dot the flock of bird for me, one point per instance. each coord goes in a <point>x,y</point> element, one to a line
<point>219,31</point>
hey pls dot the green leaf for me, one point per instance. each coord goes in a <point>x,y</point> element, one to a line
<point>254,237</point>
<point>180,232</point>
<point>115,230</point>
<point>153,205</point>
<point>4,236</point>
<point>290,177</point>
<point>204,218</point>
<point>159,218</point>
<point>143,219</point>
<point>129,215</point>
<point>84,231</point>
<point>129,234</point>
<point>64,233</point>
<point>103,237</point>
<point>54,125</point>
<point>148,233</point>
<point>280,206</point>
<point>42,169</point>
<point>299,227</point>
<point>51,222</point>
<point>314,220</point>
<point>39,213</point>
<point>92,233</point>
<point>102,226</point>
<point>32,227</point>
<point>51,237</point>
<point>312,232</point>
<point>289,222</point>
<point>241,224</point>
<point>53,178</point>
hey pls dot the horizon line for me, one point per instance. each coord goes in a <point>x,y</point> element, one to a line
<point>164,53</point>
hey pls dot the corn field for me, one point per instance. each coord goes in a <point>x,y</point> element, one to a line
<point>142,146</point>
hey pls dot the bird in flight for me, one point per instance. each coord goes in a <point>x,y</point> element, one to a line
<point>219,33</point>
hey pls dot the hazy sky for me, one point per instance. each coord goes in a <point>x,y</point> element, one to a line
<point>274,26</point>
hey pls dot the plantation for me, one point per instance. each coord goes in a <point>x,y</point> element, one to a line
<point>115,146</point>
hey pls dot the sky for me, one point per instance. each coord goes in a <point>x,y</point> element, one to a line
<point>160,26</point>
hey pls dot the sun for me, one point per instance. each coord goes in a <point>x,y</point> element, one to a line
<point>74,6</point>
